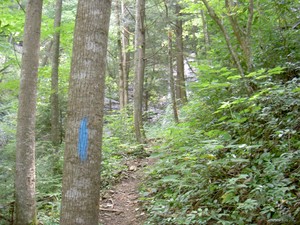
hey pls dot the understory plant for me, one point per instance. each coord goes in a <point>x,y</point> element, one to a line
<point>118,145</point>
<point>234,158</point>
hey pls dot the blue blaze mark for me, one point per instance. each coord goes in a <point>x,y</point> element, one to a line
<point>83,139</point>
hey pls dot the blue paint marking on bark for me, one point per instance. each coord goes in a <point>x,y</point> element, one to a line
<point>83,139</point>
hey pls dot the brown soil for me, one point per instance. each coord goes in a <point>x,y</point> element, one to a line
<point>120,205</point>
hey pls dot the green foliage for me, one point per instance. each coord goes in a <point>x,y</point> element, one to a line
<point>279,38</point>
<point>7,156</point>
<point>235,158</point>
<point>49,177</point>
<point>120,126</point>
<point>112,158</point>
<point>117,147</point>
<point>12,20</point>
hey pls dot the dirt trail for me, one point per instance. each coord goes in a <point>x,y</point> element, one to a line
<point>120,204</point>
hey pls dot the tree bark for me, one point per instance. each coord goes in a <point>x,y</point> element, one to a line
<point>171,78</point>
<point>171,75</point>
<point>55,126</point>
<point>126,54</point>
<point>121,60</point>
<point>139,59</point>
<point>25,138</point>
<point>180,79</point>
<point>81,172</point>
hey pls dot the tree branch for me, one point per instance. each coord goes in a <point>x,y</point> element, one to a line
<point>21,6</point>
<point>215,17</point>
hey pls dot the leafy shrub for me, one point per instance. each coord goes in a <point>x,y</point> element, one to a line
<point>234,160</point>
<point>119,125</point>
<point>7,166</point>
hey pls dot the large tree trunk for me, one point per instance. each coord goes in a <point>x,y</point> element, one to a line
<point>139,59</point>
<point>180,79</point>
<point>55,127</point>
<point>25,139</point>
<point>81,172</point>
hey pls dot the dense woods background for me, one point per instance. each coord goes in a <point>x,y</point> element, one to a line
<point>212,86</point>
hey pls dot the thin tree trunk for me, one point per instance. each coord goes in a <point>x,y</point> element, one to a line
<point>81,173</point>
<point>234,55</point>
<point>180,79</point>
<point>171,78</point>
<point>121,60</point>
<point>25,138</point>
<point>55,126</point>
<point>248,52</point>
<point>205,32</point>
<point>243,35</point>
<point>126,54</point>
<point>146,97</point>
<point>139,59</point>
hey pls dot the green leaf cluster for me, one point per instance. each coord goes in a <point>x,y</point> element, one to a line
<point>235,158</point>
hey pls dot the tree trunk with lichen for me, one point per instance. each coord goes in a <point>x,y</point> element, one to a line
<point>81,172</point>
<point>25,138</point>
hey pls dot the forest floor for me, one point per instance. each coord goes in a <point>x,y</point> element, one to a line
<point>120,204</point>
